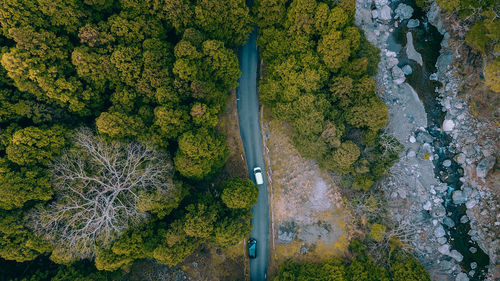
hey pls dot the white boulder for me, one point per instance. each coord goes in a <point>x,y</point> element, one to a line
<point>403,11</point>
<point>385,13</point>
<point>448,125</point>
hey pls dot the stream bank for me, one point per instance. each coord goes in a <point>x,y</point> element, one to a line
<point>424,187</point>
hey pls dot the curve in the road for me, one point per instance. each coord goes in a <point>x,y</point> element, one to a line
<point>248,114</point>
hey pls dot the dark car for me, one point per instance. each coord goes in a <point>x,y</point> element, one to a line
<point>252,248</point>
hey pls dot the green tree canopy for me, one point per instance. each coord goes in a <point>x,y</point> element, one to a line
<point>200,154</point>
<point>33,145</point>
<point>239,193</point>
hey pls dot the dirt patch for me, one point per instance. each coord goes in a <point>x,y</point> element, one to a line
<point>150,270</point>
<point>236,164</point>
<point>214,264</point>
<point>307,210</point>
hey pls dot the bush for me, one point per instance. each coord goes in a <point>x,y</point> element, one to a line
<point>239,193</point>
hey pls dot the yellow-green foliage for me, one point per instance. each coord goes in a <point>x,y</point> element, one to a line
<point>449,5</point>
<point>377,232</point>
<point>492,75</point>
<point>319,78</point>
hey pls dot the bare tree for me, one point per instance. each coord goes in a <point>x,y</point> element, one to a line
<point>102,188</point>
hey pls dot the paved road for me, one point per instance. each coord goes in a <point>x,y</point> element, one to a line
<point>248,113</point>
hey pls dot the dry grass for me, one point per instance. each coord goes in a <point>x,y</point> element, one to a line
<point>304,195</point>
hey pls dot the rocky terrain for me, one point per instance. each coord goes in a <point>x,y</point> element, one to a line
<point>417,197</point>
<point>476,143</point>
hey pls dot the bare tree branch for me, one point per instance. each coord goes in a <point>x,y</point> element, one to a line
<point>98,187</point>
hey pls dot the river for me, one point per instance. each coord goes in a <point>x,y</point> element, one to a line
<point>427,42</point>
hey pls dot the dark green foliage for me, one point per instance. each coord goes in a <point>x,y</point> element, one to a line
<point>225,20</point>
<point>362,182</point>
<point>405,267</point>
<point>199,221</point>
<point>33,145</point>
<point>477,36</point>
<point>200,154</point>
<point>341,160</point>
<point>156,72</point>
<point>19,185</point>
<point>233,228</point>
<point>17,242</point>
<point>44,270</point>
<point>239,193</point>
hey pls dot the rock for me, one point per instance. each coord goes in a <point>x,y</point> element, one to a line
<point>446,265</point>
<point>380,3</point>
<point>427,206</point>
<point>462,277</point>
<point>402,192</point>
<point>391,62</point>
<point>423,137</point>
<point>287,231</point>
<point>444,60</point>
<point>464,219</point>
<point>484,166</point>
<point>456,255</point>
<point>439,231</point>
<point>407,69</point>
<point>446,103</point>
<point>410,50</point>
<point>442,240</point>
<point>390,54</point>
<point>303,250</point>
<point>448,125</point>
<point>425,151</point>
<point>467,191</point>
<point>398,75</point>
<point>433,76</point>
<point>411,153</point>
<point>375,14</point>
<point>458,197</point>
<point>385,13</point>
<point>473,265</point>
<point>412,23</point>
<point>438,211</point>
<point>470,204</point>
<point>444,249</point>
<point>460,159</point>
<point>447,163</point>
<point>412,139</point>
<point>403,11</point>
<point>473,250</point>
<point>449,222</point>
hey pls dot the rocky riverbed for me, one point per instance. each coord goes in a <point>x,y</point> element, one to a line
<point>453,150</point>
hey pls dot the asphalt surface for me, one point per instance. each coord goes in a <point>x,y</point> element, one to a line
<point>248,114</point>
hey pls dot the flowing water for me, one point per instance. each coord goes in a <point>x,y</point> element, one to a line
<point>427,40</point>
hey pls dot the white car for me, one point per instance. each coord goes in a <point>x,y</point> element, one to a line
<point>258,175</point>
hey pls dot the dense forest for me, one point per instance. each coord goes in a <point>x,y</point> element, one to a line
<point>108,112</point>
<point>108,116</point>
<point>319,70</point>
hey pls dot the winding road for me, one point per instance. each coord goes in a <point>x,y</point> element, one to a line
<point>248,113</point>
